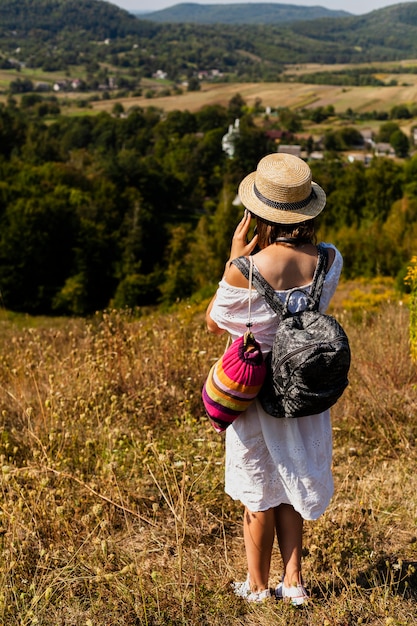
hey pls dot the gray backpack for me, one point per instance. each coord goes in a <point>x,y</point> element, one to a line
<point>310,358</point>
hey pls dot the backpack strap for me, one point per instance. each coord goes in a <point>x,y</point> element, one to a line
<point>262,285</point>
<point>319,274</point>
<point>267,291</point>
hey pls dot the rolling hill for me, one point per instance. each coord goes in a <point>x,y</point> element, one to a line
<point>244,13</point>
<point>46,19</point>
<point>57,34</point>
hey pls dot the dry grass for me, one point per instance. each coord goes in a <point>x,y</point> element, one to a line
<point>275,95</point>
<point>113,510</point>
<point>284,94</point>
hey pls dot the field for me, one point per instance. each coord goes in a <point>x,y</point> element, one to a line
<point>113,509</point>
<point>112,506</point>
<point>285,94</point>
<point>282,94</point>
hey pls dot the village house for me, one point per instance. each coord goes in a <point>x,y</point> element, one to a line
<point>60,85</point>
<point>76,83</point>
<point>160,75</point>
<point>67,85</point>
<point>275,135</point>
<point>208,74</point>
<point>42,86</point>
<point>362,158</point>
<point>384,149</point>
<point>368,138</point>
<point>316,155</point>
<point>295,150</point>
<point>228,140</point>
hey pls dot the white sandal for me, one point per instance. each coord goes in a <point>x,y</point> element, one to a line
<point>243,590</point>
<point>296,594</point>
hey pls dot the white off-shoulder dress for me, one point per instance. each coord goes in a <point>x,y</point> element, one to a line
<point>272,461</point>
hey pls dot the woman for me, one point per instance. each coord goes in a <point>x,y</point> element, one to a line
<point>280,469</point>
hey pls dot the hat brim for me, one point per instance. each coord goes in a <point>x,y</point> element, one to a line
<point>279,216</point>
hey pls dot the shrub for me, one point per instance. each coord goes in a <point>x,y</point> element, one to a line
<point>411,280</point>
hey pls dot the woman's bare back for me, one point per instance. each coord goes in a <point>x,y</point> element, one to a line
<point>283,266</point>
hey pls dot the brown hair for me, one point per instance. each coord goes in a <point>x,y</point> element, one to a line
<point>268,232</point>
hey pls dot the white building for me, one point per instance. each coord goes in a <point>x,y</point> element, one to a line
<point>228,140</point>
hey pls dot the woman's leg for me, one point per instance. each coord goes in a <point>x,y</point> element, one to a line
<point>259,534</point>
<point>289,527</point>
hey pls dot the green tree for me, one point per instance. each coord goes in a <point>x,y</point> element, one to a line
<point>386,130</point>
<point>211,246</point>
<point>400,112</point>
<point>399,141</point>
<point>400,229</point>
<point>236,107</point>
<point>410,176</point>
<point>178,280</point>
<point>193,84</point>
<point>331,141</point>
<point>36,250</point>
<point>250,146</point>
<point>210,117</point>
<point>118,109</point>
<point>176,125</point>
<point>346,202</point>
<point>136,290</point>
<point>290,120</point>
<point>384,187</point>
<point>350,137</point>
<point>13,129</point>
<point>21,85</point>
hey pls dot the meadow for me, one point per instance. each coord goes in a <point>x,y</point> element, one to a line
<point>283,94</point>
<point>287,93</point>
<point>112,503</point>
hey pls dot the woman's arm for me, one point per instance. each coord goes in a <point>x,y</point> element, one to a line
<point>239,247</point>
<point>211,324</point>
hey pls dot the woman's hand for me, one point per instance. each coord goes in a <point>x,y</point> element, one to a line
<point>240,246</point>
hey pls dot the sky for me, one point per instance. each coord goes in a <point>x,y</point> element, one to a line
<point>356,7</point>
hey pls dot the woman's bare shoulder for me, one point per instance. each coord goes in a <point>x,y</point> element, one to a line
<point>331,253</point>
<point>234,277</point>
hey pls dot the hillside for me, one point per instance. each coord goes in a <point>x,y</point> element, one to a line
<point>382,35</point>
<point>113,503</point>
<point>389,33</point>
<point>56,35</point>
<point>49,18</point>
<point>244,13</point>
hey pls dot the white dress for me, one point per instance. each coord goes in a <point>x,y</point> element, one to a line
<point>269,460</point>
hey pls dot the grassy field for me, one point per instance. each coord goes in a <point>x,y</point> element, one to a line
<point>112,508</point>
<point>283,94</point>
<point>289,94</point>
<point>386,66</point>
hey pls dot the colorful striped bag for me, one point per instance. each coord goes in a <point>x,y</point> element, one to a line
<point>236,378</point>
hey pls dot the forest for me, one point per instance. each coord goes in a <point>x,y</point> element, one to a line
<point>74,35</point>
<point>242,13</point>
<point>137,209</point>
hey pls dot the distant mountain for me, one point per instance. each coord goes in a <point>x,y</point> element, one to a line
<point>44,19</point>
<point>385,34</point>
<point>245,13</point>
<point>59,34</point>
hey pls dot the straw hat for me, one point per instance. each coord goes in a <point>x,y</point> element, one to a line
<point>281,190</point>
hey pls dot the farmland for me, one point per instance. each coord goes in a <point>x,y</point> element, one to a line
<point>283,94</point>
